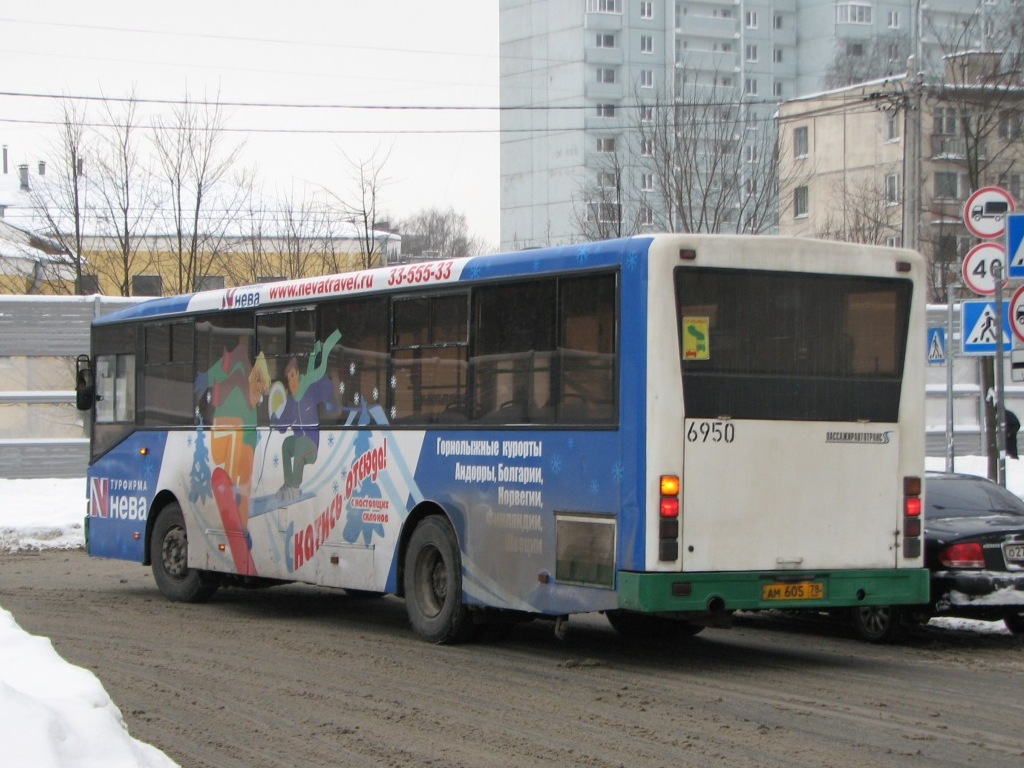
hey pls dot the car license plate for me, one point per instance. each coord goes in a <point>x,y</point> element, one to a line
<point>800,590</point>
<point>1014,553</point>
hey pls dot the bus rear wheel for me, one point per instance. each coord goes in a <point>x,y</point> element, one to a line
<point>433,584</point>
<point>169,553</point>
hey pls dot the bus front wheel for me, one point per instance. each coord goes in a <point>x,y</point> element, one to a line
<point>877,623</point>
<point>169,553</point>
<point>433,583</point>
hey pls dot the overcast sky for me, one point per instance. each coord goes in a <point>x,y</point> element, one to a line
<point>322,54</point>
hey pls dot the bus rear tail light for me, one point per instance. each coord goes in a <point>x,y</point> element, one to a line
<point>912,506</point>
<point>668,522</point>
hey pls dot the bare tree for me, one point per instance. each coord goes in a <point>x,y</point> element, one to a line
<point>858,61</point>
<point>437,233</point>
<point>61,202</point>
<point>368,176</point>
<point>598,210</point>
<point>123,203</point>
<point>869,214</point>
<point>201,197</point>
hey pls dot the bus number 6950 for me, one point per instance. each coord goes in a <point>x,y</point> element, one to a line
<point>710,432</point>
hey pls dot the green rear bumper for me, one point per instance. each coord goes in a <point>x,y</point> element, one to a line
<point>734,591</point>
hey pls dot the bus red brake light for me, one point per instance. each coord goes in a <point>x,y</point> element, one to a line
<point>968,555</point>
<point>670,508</point>
<point>912,507</point>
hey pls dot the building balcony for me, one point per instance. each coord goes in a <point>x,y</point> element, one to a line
<point>947,147</point>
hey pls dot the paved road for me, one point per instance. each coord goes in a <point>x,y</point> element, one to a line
<point>297,676</point>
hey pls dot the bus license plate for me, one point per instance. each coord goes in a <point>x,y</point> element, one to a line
<point>1014,553</point>
<point>801,590</point>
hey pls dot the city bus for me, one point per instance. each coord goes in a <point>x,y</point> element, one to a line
<point>665,429</point>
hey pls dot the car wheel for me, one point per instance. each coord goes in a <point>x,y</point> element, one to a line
<point>1015,623</point>
<point>877,623</point>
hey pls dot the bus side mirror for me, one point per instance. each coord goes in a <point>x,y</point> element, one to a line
<point>85,389</point>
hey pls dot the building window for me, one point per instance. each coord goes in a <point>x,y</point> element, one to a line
<point>1011,183</point>
<point>751,53</point>
<point>777,21</point>
<point>606,180</point>
<point>646,44</point>
<point>646,113</point>
<point>750,153</point>
<point>646,215</point>
<point>778,55</point>
<point>606,110</point>
<point>210,282</point>
<point>647,181</point>
<point>800,145</point>
<point>778,89</point>
<point>750,186</point>
<point>147,285</point>
<point>605,41</point>
<point>855,50</point>
<point>646,78</point>
<point>894,19</point>
<point>892,126</point>
<point>647,147</point>
<point>605,75</point>
<point>1009,124</point>
<point>800,202</point>
<point>606,145</point>
<point>646,10</point>
<point>604,6</point>
<point>750,19</point>
<point>892,188</point>
<point>944,121</point>
<point>853,13</point>
<point>894,241</point>
<point>750,86</point>
<point>946,185</point>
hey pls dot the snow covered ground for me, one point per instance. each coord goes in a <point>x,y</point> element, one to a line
<point>55,715</point>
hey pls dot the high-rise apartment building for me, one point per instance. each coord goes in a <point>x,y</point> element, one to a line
<point>624,116</point>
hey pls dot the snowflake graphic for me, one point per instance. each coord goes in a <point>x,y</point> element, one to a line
<point>341,389</point>
<point>393,382</point>
<point>631,261</point>
<point>276,461</point>
<point>556,464</point>
<point>351,369</point>
<point>394,413</point>
<point>595,488</point>
<point>572,443</point>
<point>376,394</point>
<point>618,472</point>
<point>330,439</point>
<point>581,255</point>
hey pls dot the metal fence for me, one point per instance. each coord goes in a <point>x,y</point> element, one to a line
<point>42,434</point>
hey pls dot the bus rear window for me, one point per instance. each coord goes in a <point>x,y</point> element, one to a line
<point>790,346</point>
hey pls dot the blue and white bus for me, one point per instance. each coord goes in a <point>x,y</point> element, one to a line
<point>663,428</point>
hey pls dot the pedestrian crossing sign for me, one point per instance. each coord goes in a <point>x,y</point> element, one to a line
<point>936,346</point>
<point>979,329</point>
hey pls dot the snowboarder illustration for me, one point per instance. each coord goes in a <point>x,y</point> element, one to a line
<point>301,414</point>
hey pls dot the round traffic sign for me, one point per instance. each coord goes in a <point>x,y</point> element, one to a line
<point>985,212</point>
<point>1017,313</point>
<point>978,267</point>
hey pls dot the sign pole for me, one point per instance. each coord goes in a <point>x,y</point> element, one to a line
<point>950,452</point>
<point>1000,406</point>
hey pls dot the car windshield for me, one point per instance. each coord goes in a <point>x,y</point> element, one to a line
<point>959,497</point>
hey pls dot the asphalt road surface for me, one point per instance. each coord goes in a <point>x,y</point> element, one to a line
<point>299,676</point>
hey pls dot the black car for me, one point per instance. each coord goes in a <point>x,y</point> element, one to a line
<point>974,548</point>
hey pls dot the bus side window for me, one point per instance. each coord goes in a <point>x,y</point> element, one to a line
<point>586,350</point>
<point>358,362</point>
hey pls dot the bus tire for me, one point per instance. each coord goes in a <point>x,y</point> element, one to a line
<point>169,554</point>
<point>877,623</point>
<point>433,583</point>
